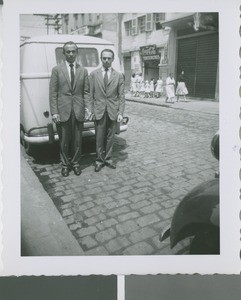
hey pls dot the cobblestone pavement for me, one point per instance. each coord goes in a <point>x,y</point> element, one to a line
<point>164,154</point>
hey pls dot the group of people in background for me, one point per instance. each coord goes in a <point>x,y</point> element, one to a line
<point>155,88</point>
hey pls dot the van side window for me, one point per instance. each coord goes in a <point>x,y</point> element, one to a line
<point>86,57</point>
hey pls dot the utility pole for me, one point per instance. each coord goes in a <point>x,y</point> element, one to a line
<point>51,21</point>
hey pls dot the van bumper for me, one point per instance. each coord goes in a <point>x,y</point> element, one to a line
<point>41,139</point>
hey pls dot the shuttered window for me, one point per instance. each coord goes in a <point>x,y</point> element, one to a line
<point>134,26</point>
<point>149,22</point>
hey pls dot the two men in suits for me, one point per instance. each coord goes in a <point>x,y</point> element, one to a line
<point>68,97</point>
<point>107,101</point>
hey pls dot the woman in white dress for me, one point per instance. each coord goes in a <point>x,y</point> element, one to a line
<point>170,88</point>
<point>159,87</point>
<point>181,87</point>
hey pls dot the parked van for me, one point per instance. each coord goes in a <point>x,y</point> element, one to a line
<point>37,58</point>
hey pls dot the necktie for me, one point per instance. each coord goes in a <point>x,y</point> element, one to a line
<point>71,74</point>
<point>106,78</point>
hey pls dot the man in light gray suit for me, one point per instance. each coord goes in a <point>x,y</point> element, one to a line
<point>68,97</point>
<point>107,100</point>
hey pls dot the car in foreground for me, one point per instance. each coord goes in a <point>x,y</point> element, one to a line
<point>197,216</point>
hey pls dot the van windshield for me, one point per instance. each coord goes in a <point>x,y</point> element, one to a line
<point>86,57</point>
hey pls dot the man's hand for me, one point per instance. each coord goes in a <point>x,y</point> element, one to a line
<point>87,114</point>
<point>119,118</point>
<point>91,117</point>
<point>56,118</point>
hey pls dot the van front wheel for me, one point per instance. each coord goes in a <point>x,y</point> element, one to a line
<point>27,146</point>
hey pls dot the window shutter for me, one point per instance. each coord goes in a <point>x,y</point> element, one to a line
<point>149,22</point>
<point>134,26</point>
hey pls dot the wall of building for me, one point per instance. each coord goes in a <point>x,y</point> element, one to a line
<point>131,46</point>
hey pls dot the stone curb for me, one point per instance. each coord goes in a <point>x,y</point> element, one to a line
<point>43,230</point>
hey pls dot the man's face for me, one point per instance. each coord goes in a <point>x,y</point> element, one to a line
<point>107,59</point>
<point>70,53</point>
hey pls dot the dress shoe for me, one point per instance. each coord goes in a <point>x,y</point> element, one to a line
<point>98,167</point>
<point>65,172</point>
<point>77,170</point>
<point>111,165</point>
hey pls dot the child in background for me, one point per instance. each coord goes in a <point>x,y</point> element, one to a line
<point>133,85</point>
<point>139,81</point>
<point>147,89</point>
<point>142,90</point>
<point>152,88</point>
<point>159,87</point>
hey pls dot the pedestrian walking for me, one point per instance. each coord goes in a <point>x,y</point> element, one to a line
<point>170,88</point>
<point>107,107</point>
<point>133,85</point>
<point>159,87</point>
<point>181,87</point>
<point>69,98</point>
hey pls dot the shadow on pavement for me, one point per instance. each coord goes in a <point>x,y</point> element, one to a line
<point>46,154</point>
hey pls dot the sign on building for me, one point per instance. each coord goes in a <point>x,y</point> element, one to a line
<point>149,52</point>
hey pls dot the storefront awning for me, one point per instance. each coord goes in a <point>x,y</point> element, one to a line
<point>178,22</point>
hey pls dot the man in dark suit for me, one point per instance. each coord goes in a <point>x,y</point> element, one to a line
<point>107,100</point>
<point>68,97</point>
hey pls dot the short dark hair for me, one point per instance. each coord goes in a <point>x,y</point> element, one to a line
<point>107,50</point>
<point>69,43</point>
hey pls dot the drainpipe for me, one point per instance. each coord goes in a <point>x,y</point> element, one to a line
<point>119,30</point>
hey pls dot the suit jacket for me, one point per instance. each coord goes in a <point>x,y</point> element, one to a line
<point>62,97</point>
<point>112,99</point>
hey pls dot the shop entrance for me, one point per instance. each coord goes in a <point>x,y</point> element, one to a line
<point>152,69</point>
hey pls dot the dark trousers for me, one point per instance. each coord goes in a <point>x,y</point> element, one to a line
<point>105,130</point>
<point>70,139</point>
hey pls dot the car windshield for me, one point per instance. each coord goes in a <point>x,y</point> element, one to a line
<point>86,57</point>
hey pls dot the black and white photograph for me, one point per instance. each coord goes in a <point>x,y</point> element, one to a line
<point>122,139</point>
<point>118,191</point>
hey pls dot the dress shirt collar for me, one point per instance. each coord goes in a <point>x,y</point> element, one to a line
<point>108,72</point>
<point>103,69</point>
<point>68,64</point>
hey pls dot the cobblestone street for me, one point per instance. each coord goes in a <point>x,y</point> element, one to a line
<point>164,153</point>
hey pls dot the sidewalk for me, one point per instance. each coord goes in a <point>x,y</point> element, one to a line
<point>192,104</point>
<point>43,230</point>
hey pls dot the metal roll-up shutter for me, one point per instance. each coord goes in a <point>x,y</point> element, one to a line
<point>206,70</point>
<point>186,61</point>
<point>198,57</point>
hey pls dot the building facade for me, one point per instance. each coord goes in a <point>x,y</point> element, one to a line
<point>144,45</point>
<point>94,24</point>
<point>193,46</point>
<point>156,44</point>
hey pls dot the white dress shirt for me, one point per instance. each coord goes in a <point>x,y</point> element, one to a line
<point>68,68</point>
<point>108,72</point>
